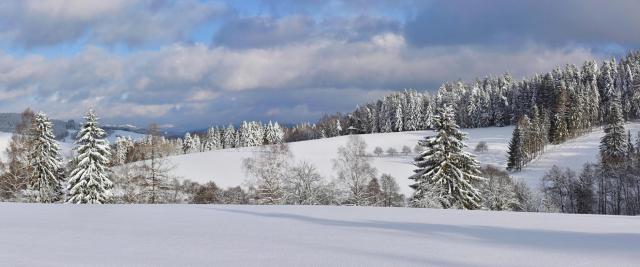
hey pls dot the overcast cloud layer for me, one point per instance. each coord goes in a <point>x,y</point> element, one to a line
<point>195,63</point>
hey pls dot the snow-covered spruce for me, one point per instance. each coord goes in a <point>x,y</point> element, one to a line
<point>446,168</point>
<point>89,183</point>
<point>516,151</point>
<point>45,161</point>
<point>613,145</point>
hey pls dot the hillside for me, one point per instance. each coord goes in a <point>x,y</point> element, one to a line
<point>214,235</point>
<point>225,166</point>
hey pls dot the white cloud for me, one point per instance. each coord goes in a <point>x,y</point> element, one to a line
<point>200,82</point>
<point>132,23</point>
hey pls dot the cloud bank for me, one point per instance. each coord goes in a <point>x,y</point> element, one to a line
<point>194,63</point>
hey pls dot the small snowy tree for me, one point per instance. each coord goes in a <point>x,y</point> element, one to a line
<point>268,169</point>
<point>392,151</point>
<point>89,183</point>
<point>354,169</point>
<point>406,150</point>
<point>481,147</point>
<point>445,167</point>
<point>378,151</point>
<point>374,194</point>
<point>273,134</point>
<point>499,191</point>
<point>391,196</point>
<point>45,161</point>
<point>188,143</point>
<point>229,137</point>
<point>303,185</point>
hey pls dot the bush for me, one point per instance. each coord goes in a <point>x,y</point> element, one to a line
<point>378,151</point>
<point>481,147</point>
<point>392,151</point>
<point>207,194</point>
<point>406,150</point>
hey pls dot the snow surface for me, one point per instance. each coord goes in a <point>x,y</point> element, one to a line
<point>224,167</point>
<point>219,235</point>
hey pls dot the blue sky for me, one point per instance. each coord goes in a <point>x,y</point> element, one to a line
<point>191,63</point>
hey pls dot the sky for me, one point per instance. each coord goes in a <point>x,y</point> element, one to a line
<point>192,64</point>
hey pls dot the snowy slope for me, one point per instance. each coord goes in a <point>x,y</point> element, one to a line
<point>571,154</point>
<point>212,235</point>
<point>225,166</point>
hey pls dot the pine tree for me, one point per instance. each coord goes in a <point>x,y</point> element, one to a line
<point>212,140</point>
<point>89,182</point>
<point>445,166</point>
<point>338,128</point>
<point>516,152</point>
<point>229,137</point>
<point>188,143</point>
<point>45,161</point>
<point>197,145</point>
<point>558,131</point>
<point>273,134</point>
<point>121,150</point>
<point>613,145</point>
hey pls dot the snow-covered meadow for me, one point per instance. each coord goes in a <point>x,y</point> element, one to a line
<point>225,166</point>
<point>226,235</point>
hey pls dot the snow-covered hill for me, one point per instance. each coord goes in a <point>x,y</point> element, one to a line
<point>225,166</point>
<point>219,235</point>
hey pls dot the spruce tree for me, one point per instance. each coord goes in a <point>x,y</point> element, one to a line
<point>188,143</point>
<point>558,131</point>
<point>89,183</point>
<point>45,161</point>
<point>229,137</point>
<point>613,145</point>
<point>516,151</point>
<point>445,167</point>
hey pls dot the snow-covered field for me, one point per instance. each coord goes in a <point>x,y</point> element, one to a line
<point>571,154</point>
<point>213,235</point>
<point>225,166</point>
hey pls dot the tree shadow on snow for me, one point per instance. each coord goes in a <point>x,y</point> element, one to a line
<point>529,238</point>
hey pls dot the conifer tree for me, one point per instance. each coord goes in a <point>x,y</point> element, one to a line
<point>229,137</point>
<point>613,145</point>
<point>45,161</point>
<point>516,152</point>
<point>559,132</point>
<point>446,167</point>
<point>89,183</point>
<point>188,143</point>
